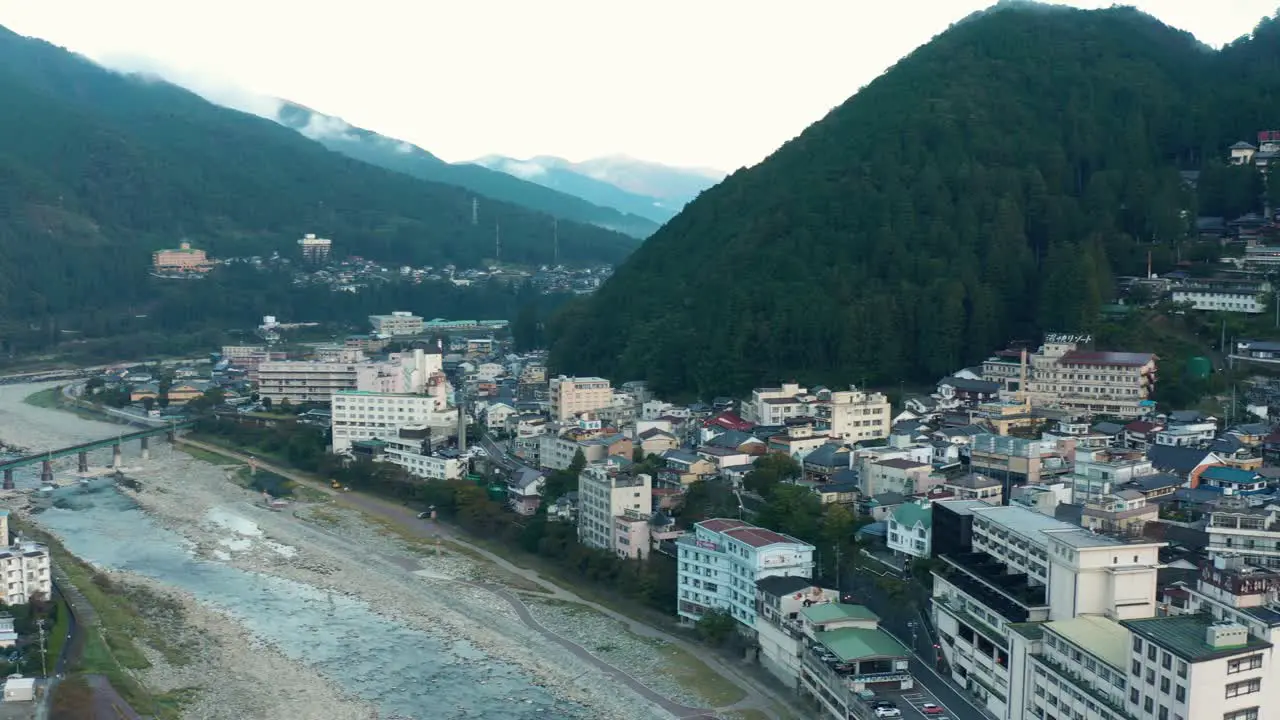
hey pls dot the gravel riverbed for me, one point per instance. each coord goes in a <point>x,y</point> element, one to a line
<point>345,568</point>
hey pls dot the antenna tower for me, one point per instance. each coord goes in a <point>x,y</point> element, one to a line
<point>555,241</point>
<point>475,211</point>
<point>497,242</point>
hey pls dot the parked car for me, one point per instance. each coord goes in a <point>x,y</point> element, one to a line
<point>931,709</point>
<point>888,712</point>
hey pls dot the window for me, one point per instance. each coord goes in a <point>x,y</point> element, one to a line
<point>1147,704</point>
<point>1182,669</point>
<point>1164,713</point>
<point>1151,653</point>
<point>1151,677</point>
<point>1137,668</point>
<point>1133,696</point>
<point>1166,661</point>
<point>1164,685</point>
<point>1137,644</point>
<point>1253,662</point>
<point>1180,694</point>
<point>1246,714</point>
<point>1244,687</point>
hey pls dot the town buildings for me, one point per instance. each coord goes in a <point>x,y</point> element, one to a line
<point>1060,375</point>
<point>723,559</point>
<point>397,323</point>
<point>850,415</point>
<point>909,530</point>
<point>411,447</point>
<point>570,396</point>
<point>845,653</point>
<point>608,496</point>
<point>183,260</point>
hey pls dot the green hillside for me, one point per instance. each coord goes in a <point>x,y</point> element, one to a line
<point>988,187</point>
<point>98,169</point>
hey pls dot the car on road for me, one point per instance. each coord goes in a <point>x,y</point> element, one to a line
<point>931,709</point>
<point>888,712</point>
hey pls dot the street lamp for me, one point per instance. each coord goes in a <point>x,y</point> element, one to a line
<point>911,625</point>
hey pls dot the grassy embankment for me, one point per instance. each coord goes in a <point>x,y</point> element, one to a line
<point>109,645</point>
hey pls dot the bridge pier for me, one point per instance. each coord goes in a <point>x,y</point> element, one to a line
<point>46,472</point>
<point>84,461</point>
<point>146,448</point>
<point>117,457</point>
<point>8,478</point>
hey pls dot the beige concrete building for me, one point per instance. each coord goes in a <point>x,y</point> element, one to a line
<point>849,415</point>
<point>24,566</point>
<point>234,353</point>
<point>397,323</point>
<point>572,395</point>
<point>182,260</point>
<point>300,381</point>
<point>606,493</point>
<point>1061,376</point>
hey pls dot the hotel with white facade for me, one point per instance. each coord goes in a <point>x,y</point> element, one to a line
<point>721,561</point>
<point>1001,567</point>
<point>606,495</point>
<point>25,567</point>
<point>1062,376</point>
<point>408,390</point>
<point>850,415</point>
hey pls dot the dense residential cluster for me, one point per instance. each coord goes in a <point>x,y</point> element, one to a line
<point>1087,555</point>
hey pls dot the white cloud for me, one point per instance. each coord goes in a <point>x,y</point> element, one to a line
<point>325,127</point>
<point>220,92</point>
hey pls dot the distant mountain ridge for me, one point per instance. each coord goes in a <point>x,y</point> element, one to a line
<point>636,186</point>
<point>400,156</point>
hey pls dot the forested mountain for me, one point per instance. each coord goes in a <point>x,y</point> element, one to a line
<point>370,147</point>
<point>98,169</point>
<point>986,188</point>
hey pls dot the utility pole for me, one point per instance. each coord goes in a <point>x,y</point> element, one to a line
<point>475,211</point>
<point>838,588</point>
<point>497,243</point>
<point>555,254</point>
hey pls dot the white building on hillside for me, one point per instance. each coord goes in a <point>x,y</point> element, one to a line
<point>571,396</point>
<point>410,448</point>
<point>722,560</point>
<point>397,323</point>
<point>607,492</point>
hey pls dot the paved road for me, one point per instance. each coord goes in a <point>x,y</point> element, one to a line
<point>758,698</point>
<point>894,618</point>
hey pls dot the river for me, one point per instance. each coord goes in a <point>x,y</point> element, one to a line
<point>402,670</point>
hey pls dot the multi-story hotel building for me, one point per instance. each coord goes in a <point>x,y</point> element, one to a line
<point>1251,533</point>
<point>416,399</point>
<point>1233,296</point>
<point>570,396</point>
<point>315,249</point>
<point>315,381</point>
<point>606,492</point>
<point>1209,655</point>
<point>999,567</point>
<point>1061,376</point>
<point>722,560</point>
<point>182,260</point>
<point>397,323</point>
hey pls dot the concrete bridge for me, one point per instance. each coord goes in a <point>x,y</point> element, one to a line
<point>83,449</point>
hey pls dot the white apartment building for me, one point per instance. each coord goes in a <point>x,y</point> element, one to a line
<point>1061,376</point>
<point>1019,566</point>
<point>359,415</point>
<point>397,323</point>
<point>1099,472</point>
<point>1233,297</point>
<point>606,492</point>
<point>25,566</point>
<point>300,381</point>
<point>240,352</point>
<point>409,448</point>
<point>1187,435</point>
<point>774,406</point>
<point>723,559</point>
<point>570,396</point>
<point>1252,533</point>
<point>854,414</point>
<point>414,371</point>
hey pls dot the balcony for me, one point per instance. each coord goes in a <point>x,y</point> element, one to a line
<point>1099,696</point>
<point>840,677</point>
<point>986,580</point>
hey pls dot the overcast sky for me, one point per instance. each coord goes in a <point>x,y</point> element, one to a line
<point>715,83</point>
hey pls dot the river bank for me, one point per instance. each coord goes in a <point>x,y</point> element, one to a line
<point>315,611</point>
